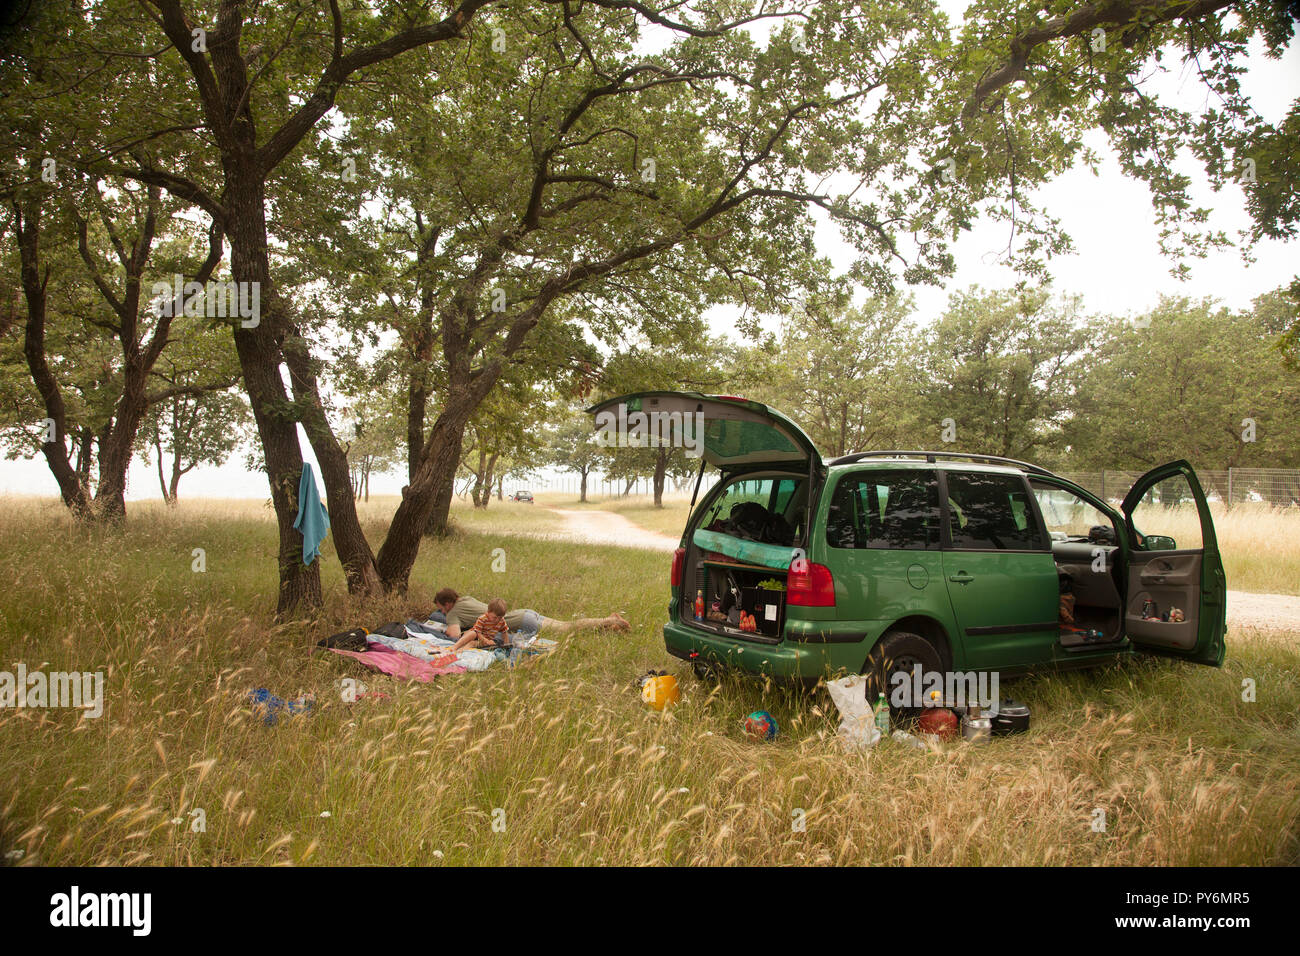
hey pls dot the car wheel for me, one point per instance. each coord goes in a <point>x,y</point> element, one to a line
<point>899,652</point>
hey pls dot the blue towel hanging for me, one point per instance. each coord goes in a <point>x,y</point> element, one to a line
<point>313,520</point>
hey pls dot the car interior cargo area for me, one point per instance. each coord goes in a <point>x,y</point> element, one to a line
<point>738,555</point>
<point>739,600</point>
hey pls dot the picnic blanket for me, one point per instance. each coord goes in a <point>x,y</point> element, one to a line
<point>421,654</point>
<point>378,657</point>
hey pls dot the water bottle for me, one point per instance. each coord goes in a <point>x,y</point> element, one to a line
<point>882,715</point>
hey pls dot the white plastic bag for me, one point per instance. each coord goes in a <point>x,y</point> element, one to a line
<point>858,729</point>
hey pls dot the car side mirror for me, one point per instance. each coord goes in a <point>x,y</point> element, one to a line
<point>1160,542</point>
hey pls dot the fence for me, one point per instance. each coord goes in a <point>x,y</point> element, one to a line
<point>599,486</point>
<point>1273,486</point>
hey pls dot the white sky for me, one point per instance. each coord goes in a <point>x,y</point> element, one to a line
<point>1116,267</point>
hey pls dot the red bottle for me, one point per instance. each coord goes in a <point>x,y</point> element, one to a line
<point>699,605</point>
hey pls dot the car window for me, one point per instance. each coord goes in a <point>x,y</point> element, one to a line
<point>885,509</point>
<point>1068,517</point>
<point>991,512</point>
<point>1168,509</point>
<point>761,509</point>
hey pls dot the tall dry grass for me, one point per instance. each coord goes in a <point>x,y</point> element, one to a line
<point>560,754</point>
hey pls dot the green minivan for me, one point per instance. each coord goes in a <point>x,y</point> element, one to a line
<point>872,563</point>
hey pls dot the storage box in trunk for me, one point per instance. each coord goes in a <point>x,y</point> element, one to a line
<point>767,606</point>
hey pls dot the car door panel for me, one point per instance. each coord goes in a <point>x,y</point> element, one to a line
<point>1005,604</point>
<point>1166,579</point>
<point>1001,578</point>
<point>1192,576</point>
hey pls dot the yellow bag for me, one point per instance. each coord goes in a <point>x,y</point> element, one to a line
<point>661,692</point>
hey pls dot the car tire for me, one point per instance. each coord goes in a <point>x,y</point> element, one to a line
<point>899,651</point>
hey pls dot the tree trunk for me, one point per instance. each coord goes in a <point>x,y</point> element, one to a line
<point>417,391</point>
<point>162,479</point>
<point>177,472</point>
<point>345,527</point>
<point>27,234</point>
<point>476,492</point>
<point>427,503</point>
<point>661,472</point>
<point>583,487</point>
<point>258,348</point>
<point>118,443</point>
<point>490,479</point>
<point>85,453</point>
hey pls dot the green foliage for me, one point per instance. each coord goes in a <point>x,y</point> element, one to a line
<point>1182,381</point>
<point>842,374</point>
<point>1003,367</point>
<point>995,374</point>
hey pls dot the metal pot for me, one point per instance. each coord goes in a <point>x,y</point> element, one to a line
<point>1011,718</point>
<point>977,729</point>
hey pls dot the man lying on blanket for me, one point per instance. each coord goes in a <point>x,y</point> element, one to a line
<point>459,611</point>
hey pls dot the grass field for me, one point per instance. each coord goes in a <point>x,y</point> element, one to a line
<point>560,753</point>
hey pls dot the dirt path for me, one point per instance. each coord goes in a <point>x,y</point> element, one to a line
<point>1245,609</point>
<point>606,527</point>
<point>1274,612</point>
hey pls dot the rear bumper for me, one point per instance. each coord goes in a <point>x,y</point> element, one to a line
<point>788,659</point>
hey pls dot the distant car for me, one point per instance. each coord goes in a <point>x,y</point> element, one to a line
<point>873,563</point>
<point>524,496</point>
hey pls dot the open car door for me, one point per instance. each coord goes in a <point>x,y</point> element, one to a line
<point>1177,594</point>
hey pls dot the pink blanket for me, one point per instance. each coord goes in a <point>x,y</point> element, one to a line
<point>382,658</point>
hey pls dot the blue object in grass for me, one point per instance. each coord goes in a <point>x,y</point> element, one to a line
<point>272,705</point>
<point>313,521</point>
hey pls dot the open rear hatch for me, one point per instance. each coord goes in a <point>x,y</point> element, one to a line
<point>739,438</point>
<point>730,433</point>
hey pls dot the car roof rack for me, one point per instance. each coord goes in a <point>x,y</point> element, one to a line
<point>933,456</point>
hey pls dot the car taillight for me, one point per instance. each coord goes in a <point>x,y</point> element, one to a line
<point>679,561</point>
<point>808,584</point>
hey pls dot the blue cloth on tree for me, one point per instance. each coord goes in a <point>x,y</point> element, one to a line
<point>313,520</point>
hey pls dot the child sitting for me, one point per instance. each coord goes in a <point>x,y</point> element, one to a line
<point>490,630</point>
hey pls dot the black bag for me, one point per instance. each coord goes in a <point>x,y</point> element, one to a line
<point>353,640</point>
<point>747,520</point>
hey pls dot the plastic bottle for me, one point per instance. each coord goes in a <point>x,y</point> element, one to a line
<point>903,737</point>
<point>882,715</point>
<point>699,605</point>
